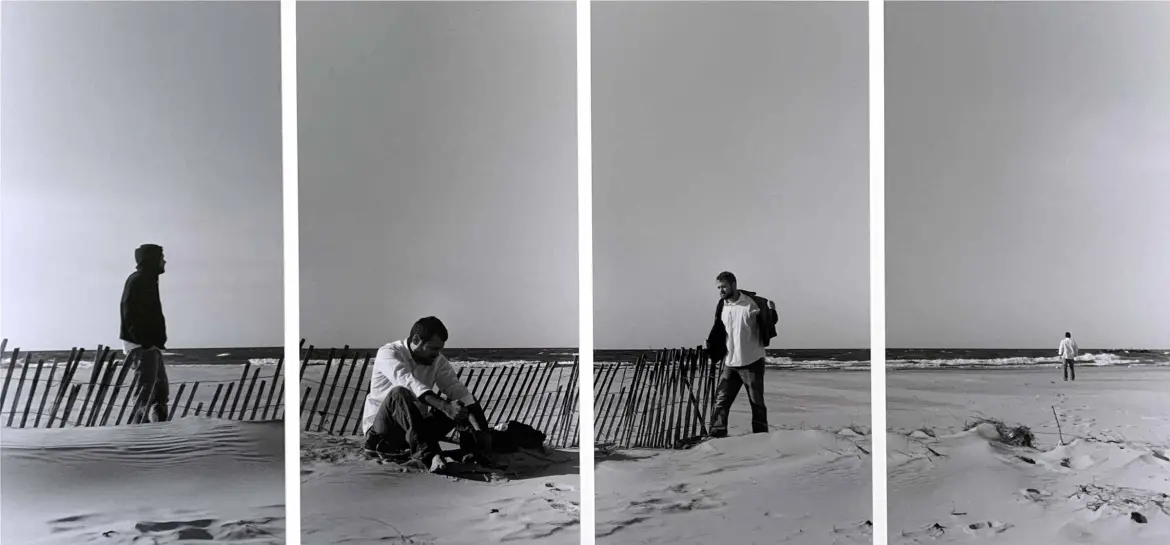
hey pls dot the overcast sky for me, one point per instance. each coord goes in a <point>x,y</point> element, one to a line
<point>1028,159</point>
<point>438,172</point>
<point>730,136</point>
<point>126,123</point>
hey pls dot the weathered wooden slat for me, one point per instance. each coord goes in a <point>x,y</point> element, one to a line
<point>99,362</point>
<point>214,399</point>
<point>224,404</point>
<point>132,394</point>
<point>305,362</point>
<point>357,395</point>
<point>275,378</point>
<point>308,418</point>
<point>45,396</point>
<point>19,387</point>
<point>604,401</point>
<point>518,402</point>
<point>32,393</point>
<point>256,406</point>
<point>175,402</point>
<point>239,391</point>
<point>332,389</point>
<point>508,398</point>
<point>73,392</point>
<point>248,396</point>
<point>190,398</point>
<point>530,412</point>
<point>114,393</point>
<point>308,389</point>
<point>8,376</point>
<point>103,390</point>
<point>276,414</point>
<point>66,380</point>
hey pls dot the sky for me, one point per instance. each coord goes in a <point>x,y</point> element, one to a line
<point>730,136</point>
<point>135,122</point>
<point>1027,174</point>
<point>438,172</point>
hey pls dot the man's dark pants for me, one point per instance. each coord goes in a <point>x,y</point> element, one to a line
<point>404,422</point>
<point>730,382</point>
<point>153,385</point>
<point>1069,368</point>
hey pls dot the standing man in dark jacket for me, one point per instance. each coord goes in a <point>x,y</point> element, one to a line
<point>144,333</point>
<point>745,324</point>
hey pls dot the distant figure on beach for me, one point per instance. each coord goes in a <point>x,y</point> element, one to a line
<point>405,408</point>
<point>144,333</point>
<point>1068,352</point>
<point>745,324</point>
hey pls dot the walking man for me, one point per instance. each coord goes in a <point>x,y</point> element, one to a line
<point>144,334</point>
<point>744,325</point>
<point>1068,352</point>
<point>406,409</point>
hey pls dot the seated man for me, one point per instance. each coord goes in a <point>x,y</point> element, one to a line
<point>404,409</point>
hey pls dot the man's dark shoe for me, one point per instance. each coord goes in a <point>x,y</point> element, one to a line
<point>716,434</point>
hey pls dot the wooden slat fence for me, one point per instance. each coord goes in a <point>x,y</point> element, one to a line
<point>542,395</point>
<point>50,395</point>
<point>663,402</point>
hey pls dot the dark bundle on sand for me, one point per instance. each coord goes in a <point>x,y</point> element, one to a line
<point>1016,436</point>
<point>513,436</point>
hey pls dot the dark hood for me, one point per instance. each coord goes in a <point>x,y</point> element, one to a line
<point>149,258</point>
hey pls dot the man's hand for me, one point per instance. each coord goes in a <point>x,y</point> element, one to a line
<point>771,305</point>
<point>456,411</point>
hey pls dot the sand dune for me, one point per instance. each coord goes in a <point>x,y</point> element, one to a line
<point>953,480</point>
<point>193,479</point>
<point>806,482</point>
<point>348,498</point>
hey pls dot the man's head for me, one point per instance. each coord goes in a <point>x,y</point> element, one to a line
<point>149,257</point>
<point>1067,335</point>
<point>428,336</point>
<point>726,284</point>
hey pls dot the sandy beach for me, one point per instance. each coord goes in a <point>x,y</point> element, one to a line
<point>949,483</point>
<point>175,482</point>
<point>350,498</point>
<point>808,481</point>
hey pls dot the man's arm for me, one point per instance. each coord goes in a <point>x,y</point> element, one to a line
<point>448,382</point>
<point>391,366</point>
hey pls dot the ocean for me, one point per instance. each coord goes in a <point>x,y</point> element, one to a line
<point>912,359</point>
<point>215,360</point>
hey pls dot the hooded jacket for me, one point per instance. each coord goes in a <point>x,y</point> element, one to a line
<point>766,322</point>
<point>143,322</point>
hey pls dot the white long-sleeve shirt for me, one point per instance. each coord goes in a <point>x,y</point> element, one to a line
<point>1068,349</point>
<point>394,366</point>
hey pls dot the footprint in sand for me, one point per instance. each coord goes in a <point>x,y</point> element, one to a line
<point>989,528</point>
<point>180,530</point>
<point>1035,495</point>
<point>861,532</point>
<point>70,523</point>
<point>679,498</point>
<point>210,529</point>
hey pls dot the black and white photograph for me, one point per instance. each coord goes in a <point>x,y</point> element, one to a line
<point>731,272</point>
<point>1027,154</point>
<point>438,272</point>
<point>141,397</point>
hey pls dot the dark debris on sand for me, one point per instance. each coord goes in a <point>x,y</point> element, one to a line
<point>1016,436</point>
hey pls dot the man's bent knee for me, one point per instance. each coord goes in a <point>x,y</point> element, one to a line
<point>402,393</point>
